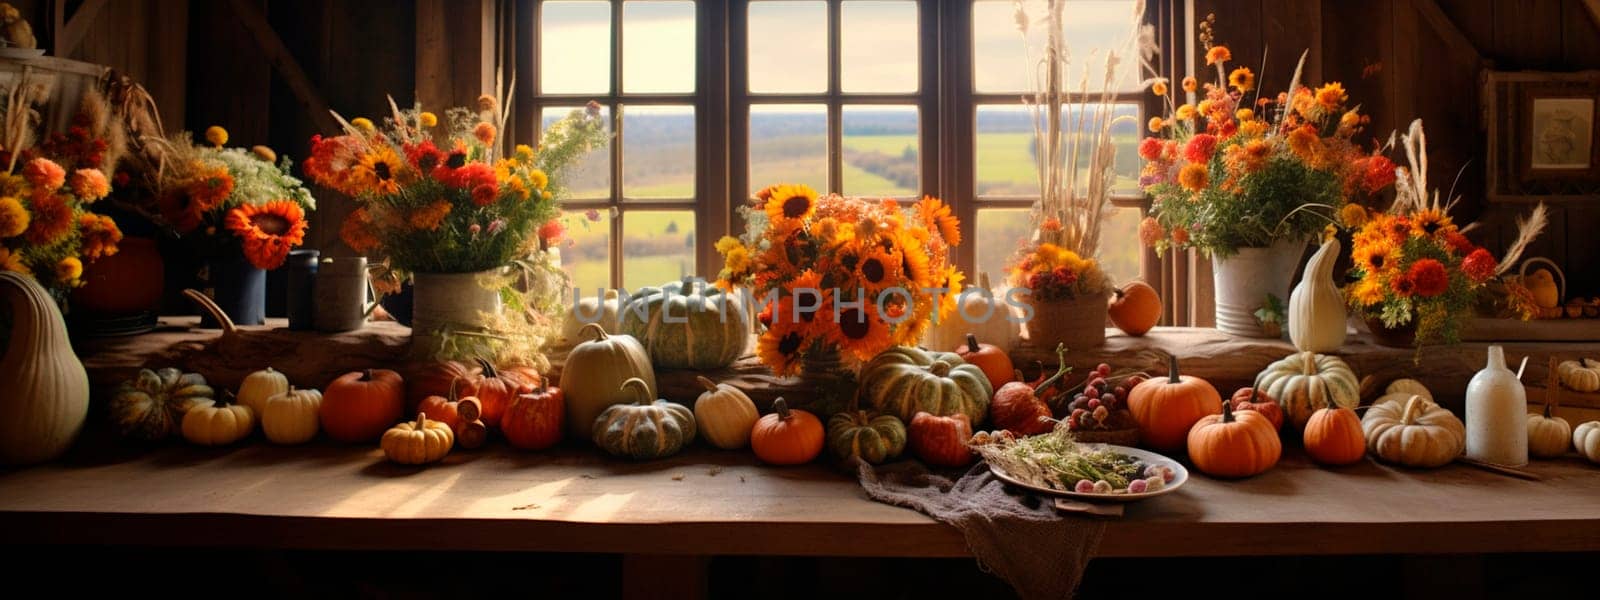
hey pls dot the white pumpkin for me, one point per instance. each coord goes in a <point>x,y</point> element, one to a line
<point>1580,376</point>
<point>1586,440</point>
<point>217,423</point>
<point>1411,430</point>
<point>601,310</point>
<point>1316,308</point>
<point>1549,436</point>
<point>1307,381</point>
<point>292,417</point>
<point>593,374</point>
<point>977,314</point>
<point>259,386</point>
<point>46,390</point>
<point>1408,386</point>
<point>724,415</point>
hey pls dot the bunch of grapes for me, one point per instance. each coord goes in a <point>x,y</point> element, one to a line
<point>1103,403</point>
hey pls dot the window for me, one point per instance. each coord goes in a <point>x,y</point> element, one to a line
<point>712,100</point>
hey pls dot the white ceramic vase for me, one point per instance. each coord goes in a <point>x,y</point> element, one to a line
<point>1497,406</point>
<point>1242,282</point>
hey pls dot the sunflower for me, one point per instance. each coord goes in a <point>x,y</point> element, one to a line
<point>910,328</point>
<point>52,219</point>
<point>953,280</point>
<point>13,218</point>
<point>859,330</point>
<point>1376,257</point>
<point>1353,215</point>
<point>379,171</point>
<point>1431,222</point>
<point>11,260</point>
<point>1367,292</point>
<point>268,231</point>
<point>780,348</point>
<point>791,204</point>
<point>1242,79</point>
<point>937,216</point>
<point>210,186</point>
<point>915,263</point>
<point>879,268</point>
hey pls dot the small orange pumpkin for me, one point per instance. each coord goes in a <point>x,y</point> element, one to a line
<point>536,420</point>
<point>359,406</point>
<point>1167,407</point>
<point>787,436</point>
<point>1333,436</point>
<point>1135,309</point>
<point>461,414</point>
<point>941,441</point>
<point>994,362</point>
<point>1021,407</point>
<point>1250,398</point>
<point>1234,444</point>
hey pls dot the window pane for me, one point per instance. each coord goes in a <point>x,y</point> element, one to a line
<point>788,47</point>
<point>586,251</point>
<point>658,44</point>
<point>1091,29</point>
<point>878,46</point>
<point>575,47</point>
<point>1000,231</point>
<point>788,144</point>
<point>658,151</point>
<point>657,247</point>
<point>880,150</point>
<point>1006,153</point>
<point>589,177</point>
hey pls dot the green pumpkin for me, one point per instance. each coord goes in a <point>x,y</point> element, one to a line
<point>687,325</point>
<point>868,436</point>
<point>903,381</point>
<point>151,406</point>
<point>644,430</point>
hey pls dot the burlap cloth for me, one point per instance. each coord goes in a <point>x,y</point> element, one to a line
<point>1018,537</point>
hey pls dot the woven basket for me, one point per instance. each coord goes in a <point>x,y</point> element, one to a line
<point>1079,323</point>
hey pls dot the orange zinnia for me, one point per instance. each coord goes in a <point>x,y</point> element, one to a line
<point>268,231</point>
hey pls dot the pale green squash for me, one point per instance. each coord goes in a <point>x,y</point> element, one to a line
<point>903,381</point>
<point>687,325</point>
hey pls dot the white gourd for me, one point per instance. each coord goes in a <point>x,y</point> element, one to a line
<point>996,329</point>
<point>1316,309</point>
<point>725,415</point>
<point>593,374</point>
<point>44,391</point>
<point>292,417</point>
<point>1579,376</point>
<point>1586,440</point>
<point>1410,430</point>
<point>260,385</point>
<point>1306,381</point>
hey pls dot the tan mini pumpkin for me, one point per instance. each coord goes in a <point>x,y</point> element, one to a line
<point>724,415</point>
<point>1549,436</point>
<point>1580,376</point>
<point>218,422</point>
<point>418,442</point>
<point>1586,440</point>
<point>259,386</point>
<point>292,417</point>
<point>1411,430</point>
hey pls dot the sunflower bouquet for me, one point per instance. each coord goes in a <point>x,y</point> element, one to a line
<point>1413,266</point>
<point>844,276</point>
<point>232,200</point>
<point>47,229</point>
<point>1239,169</point>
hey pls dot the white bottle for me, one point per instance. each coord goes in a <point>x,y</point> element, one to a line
<point>1496,405</point>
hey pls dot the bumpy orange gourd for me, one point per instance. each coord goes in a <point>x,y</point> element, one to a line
<point>1255,399</point>
<point>359,406</point>
<point>1136,308</point>
<point>787,436</point>
<point>994,362</point>
<point>1167,407</point>
<point>1333,436</point>
<point>536,420</point>
<point>1234,444</point>
<point>941,441</point>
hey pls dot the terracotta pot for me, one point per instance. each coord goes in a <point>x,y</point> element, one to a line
<point>1395,337</point>
<point>126,283</point>
<point>1079,323</point>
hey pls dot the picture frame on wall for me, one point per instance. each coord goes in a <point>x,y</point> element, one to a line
<point>1543,135</point>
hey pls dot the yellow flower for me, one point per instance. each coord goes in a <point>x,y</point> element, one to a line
<point>953,278</point>
<point>1242,79</point>
<point>1368,291</point>
<point>379,170</point>
<point>11,260</point>
<point>1218,54</point>
<point>264,153</point>
<point>1194,177</point>
<point>936,215</point>
<point>1304,143</point>
<point>781,346</point>
<point>524,153</point>
<point>1190,84</point>
<point>1159,88</point>
<point>539,178</point>
<point>1205,107</point>
<point>69,269</point>
<point>1253,128</point>
<point>1244,114</point>
<point>1376,256</point>
<point>364,124</point>
<point>217,136</point>
<point>738,260</point>
<point>791,203</point>
<point>1156,124</point>
<point>1349,119</point>
<point>426,119</point>
<point>1331,96</point>
<point>1353,216</point>
<point>1186,112</point>
<point>13,218</point>
<point>1431,222</point>
<point>727,244</point>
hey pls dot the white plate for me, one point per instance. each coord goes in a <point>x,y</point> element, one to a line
<point>1180,476</point>
<point>9,52</point>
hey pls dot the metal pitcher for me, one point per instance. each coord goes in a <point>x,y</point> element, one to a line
<point>343,293</point>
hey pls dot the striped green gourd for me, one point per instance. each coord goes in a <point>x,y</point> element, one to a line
<point>687,325</point>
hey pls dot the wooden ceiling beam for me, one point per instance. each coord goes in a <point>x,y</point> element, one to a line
<point>75,28</point>
<point>1447,30</point>
<point>255,21</point>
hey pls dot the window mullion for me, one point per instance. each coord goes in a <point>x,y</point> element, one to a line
<point>616,144</point>
<point>835,144</point>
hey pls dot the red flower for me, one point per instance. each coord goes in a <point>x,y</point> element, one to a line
<point>1429,277</point>
<point>551,231</point>
<point>1150,148</point>
<point>1479,265</point>
<point>1459,243</point>
<point>424,156</point>
<point>1200,148</point>
<point>484,195</point>
<point>1377,174</point>
<point>468,176</point>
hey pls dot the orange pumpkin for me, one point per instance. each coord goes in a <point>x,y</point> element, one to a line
<point>941,441</point>
<point>1021,407</point>
<point>1333,436</point>
<point>536,420</point>
<point>359,406</point>
<point>436,379</point>
<point>1234,444</point>
<point>1249,398</point>
<point>461,414</point>
<point>1135,308</point>
<point>994,362</point>
<point>494,387</point>
<point>787,436</point>
<point>1167,407</point>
